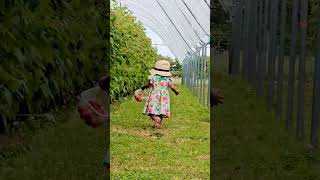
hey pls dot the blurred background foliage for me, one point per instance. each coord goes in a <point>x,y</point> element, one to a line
<point>50,51</point>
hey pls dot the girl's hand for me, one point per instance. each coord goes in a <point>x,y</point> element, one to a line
<point>176,92</point>
<point>216,97</point>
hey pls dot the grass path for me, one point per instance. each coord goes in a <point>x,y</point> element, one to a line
<point>181,150</point>
<point>252,145</point>
<point>68,151</point>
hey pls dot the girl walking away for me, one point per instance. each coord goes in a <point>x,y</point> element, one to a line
<point>158,102</point>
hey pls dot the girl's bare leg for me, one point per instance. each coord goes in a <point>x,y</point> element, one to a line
<point>160,123</point>
<point>154,120</point>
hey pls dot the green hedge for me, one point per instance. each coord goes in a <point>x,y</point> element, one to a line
<point>50,49</point>
<point>132,54</point>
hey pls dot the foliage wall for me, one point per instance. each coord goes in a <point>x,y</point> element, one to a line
<point>50,49</point>
<point>132,54</point>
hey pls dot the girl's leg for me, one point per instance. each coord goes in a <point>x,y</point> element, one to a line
<point>160,123</point>
<point>154,121</point>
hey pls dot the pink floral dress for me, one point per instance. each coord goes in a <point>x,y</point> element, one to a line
<point>158,102</point>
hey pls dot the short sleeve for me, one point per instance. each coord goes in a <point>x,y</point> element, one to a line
<point>171,79</point>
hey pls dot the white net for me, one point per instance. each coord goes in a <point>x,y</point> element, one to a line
<point>182,24</point>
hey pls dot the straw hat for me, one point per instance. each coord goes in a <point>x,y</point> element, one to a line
<point>161,68</point>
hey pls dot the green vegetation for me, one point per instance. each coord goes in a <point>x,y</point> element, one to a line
<point>50,49</point>
<point>132,54</point>
<point>251,144</point>
<point>69,150</point>
<point>179,151</point>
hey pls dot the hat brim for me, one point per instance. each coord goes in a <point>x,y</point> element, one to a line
<point>161,73</point>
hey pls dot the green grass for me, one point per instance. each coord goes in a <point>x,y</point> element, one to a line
<point>67,151</point>
<point>221,66</point>
<point>251,144</point>
<point>178,151</point>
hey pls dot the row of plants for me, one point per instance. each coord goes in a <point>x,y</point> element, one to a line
<point>132,54</point>
<point>50,50</point>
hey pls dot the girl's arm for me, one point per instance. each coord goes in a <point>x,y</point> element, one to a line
<point>104,83</point>
<point>216,97</point>
<point>146,85</point>
<point>174,89</point>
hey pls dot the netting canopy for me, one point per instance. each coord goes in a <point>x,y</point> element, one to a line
<point>182,24</point>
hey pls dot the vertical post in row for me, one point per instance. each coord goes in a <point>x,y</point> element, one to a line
<point>191,72</point>
<point>301,76</point>
<point>183,72</point>
<point>197,73</point>
<point>244,64</point>
<point>265,44</point>
<point>188,67</point>
<point>201,74</point>
<point>281,59</point>
<point>259,45</point>
<point>204,77</point>
<point>316,92</point>
<point>208,88</point>
<point>233,41</point>
<point>252,42</point>
<point>238,38</point>
<point>291,80</point>
<point>273,52</point>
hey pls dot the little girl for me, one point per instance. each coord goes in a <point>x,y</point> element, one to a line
<point>158,102</point>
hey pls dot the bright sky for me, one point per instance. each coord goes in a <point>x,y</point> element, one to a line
<point>162,48</point>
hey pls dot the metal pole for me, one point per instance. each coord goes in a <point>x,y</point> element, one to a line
<point>192,73</point>
<point>269,53</point>
<point>195,73</point>
<point>244,64</point>
<point>265,44</point>
<point>238,39</point>
<point>252,42</point>
<point>274,47</point>
<point>291,80</point>
<point>233,41</point>
<point>281,59</point>
<point>202,72</point>
<point>201,75</point>
<point>208,93</point>
<point>301,89</point>
<point>204,77</point>
<point>260,49</point>
<point>316,93</point>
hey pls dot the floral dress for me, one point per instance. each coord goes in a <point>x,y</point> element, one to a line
<point>158,102</point>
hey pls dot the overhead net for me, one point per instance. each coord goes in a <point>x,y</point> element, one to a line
<point>182,24</point>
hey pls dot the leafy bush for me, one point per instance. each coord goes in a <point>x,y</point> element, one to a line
<point>49,50</point>
<point>132,54</point>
